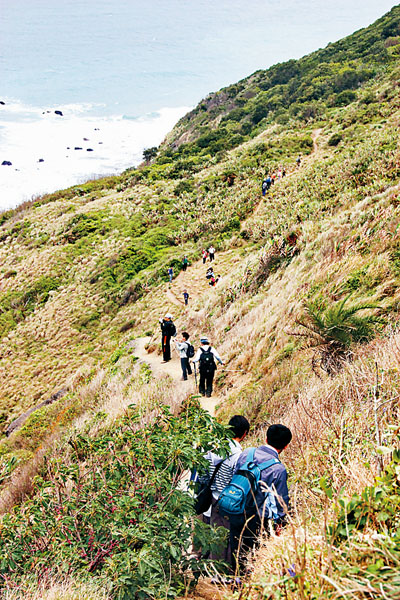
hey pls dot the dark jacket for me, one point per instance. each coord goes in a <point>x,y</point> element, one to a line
<point>168,328</point>
<point>276,476</point>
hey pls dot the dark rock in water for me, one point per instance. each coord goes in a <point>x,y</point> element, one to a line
<point>6,163</point>
<point>96,129</point>
<point>89,149</point>
<point>58,112</point>
<point>77,148</point>
<point>85,139</point>
<point>68,148</point>
<point>41,160</point>
<point>2,103</point>
<point>100,142</point>
<point>17,423</point>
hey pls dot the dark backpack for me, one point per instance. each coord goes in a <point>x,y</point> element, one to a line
<point>207,362</point>
<point>190,350</point>
<point>204,493</point>
<point>264,185</point>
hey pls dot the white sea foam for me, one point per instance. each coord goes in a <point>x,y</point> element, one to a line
<point>31,134</point>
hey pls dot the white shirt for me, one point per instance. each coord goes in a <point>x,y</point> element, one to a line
<point>206,347</point>
<point>182,348</point>
<point>211,250</point>
<point>226,470</point>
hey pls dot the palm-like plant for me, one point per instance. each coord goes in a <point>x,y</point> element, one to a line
<point>333,330</point>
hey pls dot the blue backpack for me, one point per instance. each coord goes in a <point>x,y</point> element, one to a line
<point>234,498</point>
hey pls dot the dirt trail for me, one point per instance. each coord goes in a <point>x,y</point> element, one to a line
<point>315,135</point>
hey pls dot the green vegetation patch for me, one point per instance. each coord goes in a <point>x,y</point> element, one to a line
<point>16,306</point>
<point>114,509</point>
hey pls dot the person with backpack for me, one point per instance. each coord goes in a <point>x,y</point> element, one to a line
<point>168,330</point>
<point>205,356</point>
<point>257,493</point>
<point>225,468</point>
<point>264,187</point>
<point>210,273</point>
<point>186,351</point>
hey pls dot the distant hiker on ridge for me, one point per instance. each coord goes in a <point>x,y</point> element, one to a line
<point>170,273</point>
<point>186,351</point>
<point>168,330</point>
<point>264,187</point>
<point>185,263</point>
<point>210,273</point>
<point>205,357</point>
<point>186,297</point>
<point>211,253</point>
<point>298,161</point>
<point>204,255</point>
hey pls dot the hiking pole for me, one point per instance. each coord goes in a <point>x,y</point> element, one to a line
<point>195,373</point>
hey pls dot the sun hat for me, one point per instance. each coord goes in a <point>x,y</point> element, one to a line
<point>204,338</point>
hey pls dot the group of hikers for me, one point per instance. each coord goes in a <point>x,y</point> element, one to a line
<point>249,492</point>
<point>269,180</point>
<point>206,355</point>
<point>212,278</point>
<point>210,254</point>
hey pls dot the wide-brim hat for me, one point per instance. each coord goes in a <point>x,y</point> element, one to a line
<point>168,316</point>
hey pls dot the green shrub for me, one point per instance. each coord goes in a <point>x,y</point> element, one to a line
<point>116,510</point>
<point>335,139</point>
<point>345,98</point>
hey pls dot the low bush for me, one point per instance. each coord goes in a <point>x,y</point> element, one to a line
<point>115,508</point>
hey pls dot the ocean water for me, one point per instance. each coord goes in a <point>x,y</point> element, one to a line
<point>122,72</point>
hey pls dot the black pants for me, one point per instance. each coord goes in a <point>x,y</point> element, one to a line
<point>244,532</point>
<point>211,257</point>
<point>184,266</point>
<point>186,368</point>
<point>166,348</point>
<point>206,381</point>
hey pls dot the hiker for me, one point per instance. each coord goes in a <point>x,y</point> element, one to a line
<point>226,467</point>
<point>211,253</point>
<point>264,187</point>
<point>170,273</point>
<point>298,161</point>
<point>245,527</point>
<point>212,280</point>
<point>284,173</point>
<point>269,182</point>
<point>168,330</point>
<point>210,273</point>
<point>185,263</point>
<point>204,254</point>
<point>186,297</point>
<point>186,351</point>
<point>205,357</point>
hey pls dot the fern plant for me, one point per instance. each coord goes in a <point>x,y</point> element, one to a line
<point>333,330</point>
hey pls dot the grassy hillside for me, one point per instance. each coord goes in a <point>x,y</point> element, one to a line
<point>83,282</point>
